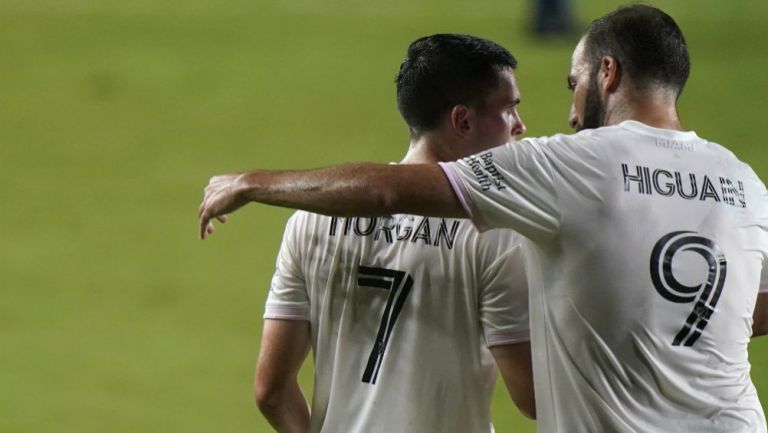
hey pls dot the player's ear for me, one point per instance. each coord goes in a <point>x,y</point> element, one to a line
<point>610,74</point>
<point>461,120</point>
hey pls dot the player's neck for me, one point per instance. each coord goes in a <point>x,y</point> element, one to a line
<point>653,109</point>
<point>429,149</point>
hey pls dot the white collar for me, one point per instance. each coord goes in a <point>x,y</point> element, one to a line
<point>642,128</point>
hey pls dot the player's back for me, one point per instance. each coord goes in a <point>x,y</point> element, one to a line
<point>648,250</point>
<point>402,309</point>
<point>656,339</point>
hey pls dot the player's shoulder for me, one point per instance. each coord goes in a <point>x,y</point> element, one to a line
<point>563,142</point>
<point>727,157</point>
<point>584,148</point>
<point>500,248</point>
<point>303,221</point>
<point>303,217</point>
<point>728,154</point>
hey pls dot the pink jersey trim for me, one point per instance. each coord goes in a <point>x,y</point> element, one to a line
<point>286,313</point>
<point>454,178</point>
<point>763,287</point>
<point>502,338</point>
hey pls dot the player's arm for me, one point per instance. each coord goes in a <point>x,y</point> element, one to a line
<point>504,318</point>
<point>284,346</point>
<point>514,363</point>
<point>362,189</point>
<point>760,316</point>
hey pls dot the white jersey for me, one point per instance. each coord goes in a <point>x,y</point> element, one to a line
<point>649,251</point>
<point>402,311</point>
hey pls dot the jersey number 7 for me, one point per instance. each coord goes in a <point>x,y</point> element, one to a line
<point>399,285</point>
<point>705,294</point>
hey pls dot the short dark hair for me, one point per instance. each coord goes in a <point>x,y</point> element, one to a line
<point>646,42</point>
<point>444,70</point>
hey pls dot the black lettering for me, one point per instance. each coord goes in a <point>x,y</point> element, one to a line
<point>694,188</point>
<point>403,232</point>
<point>368,230</point>
<point>482,178</point>
<point>449,237</point>
<point>385,227</point>
<point>668,187</point>
<point>332,228</point>
<point>335,224</point>
<point>498,179</point>
<point>740,193</point>
<point>633,178</point>
<point>670,183</point>
<point>647,178</point>
<point>728,191</point>
<point>708,190</point>
<point>423,232</point>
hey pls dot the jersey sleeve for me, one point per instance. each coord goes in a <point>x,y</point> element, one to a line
<point>288,298</point>
<point>504,299</point>
<point>509,186</point>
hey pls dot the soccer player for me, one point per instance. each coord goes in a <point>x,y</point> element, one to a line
<point>401,310</point>
<point>649,243</point>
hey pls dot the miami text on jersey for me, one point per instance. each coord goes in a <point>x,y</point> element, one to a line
<point>646,180</point>
<point>403,228</point>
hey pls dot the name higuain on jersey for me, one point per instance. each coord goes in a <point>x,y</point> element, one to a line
<point>689,186</point>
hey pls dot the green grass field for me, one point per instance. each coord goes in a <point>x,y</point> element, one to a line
<point>113,114</point>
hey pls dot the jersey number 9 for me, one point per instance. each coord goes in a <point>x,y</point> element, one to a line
<point>704,295</point>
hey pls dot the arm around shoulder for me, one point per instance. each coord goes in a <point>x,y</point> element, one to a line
<point>362,189</point>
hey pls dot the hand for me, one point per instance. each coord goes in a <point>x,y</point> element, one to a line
<point>221,196</point>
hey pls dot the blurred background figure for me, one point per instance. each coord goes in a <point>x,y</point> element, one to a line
<point>553,18</point>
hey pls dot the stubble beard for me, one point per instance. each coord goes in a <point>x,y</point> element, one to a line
<point>594,109</point>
